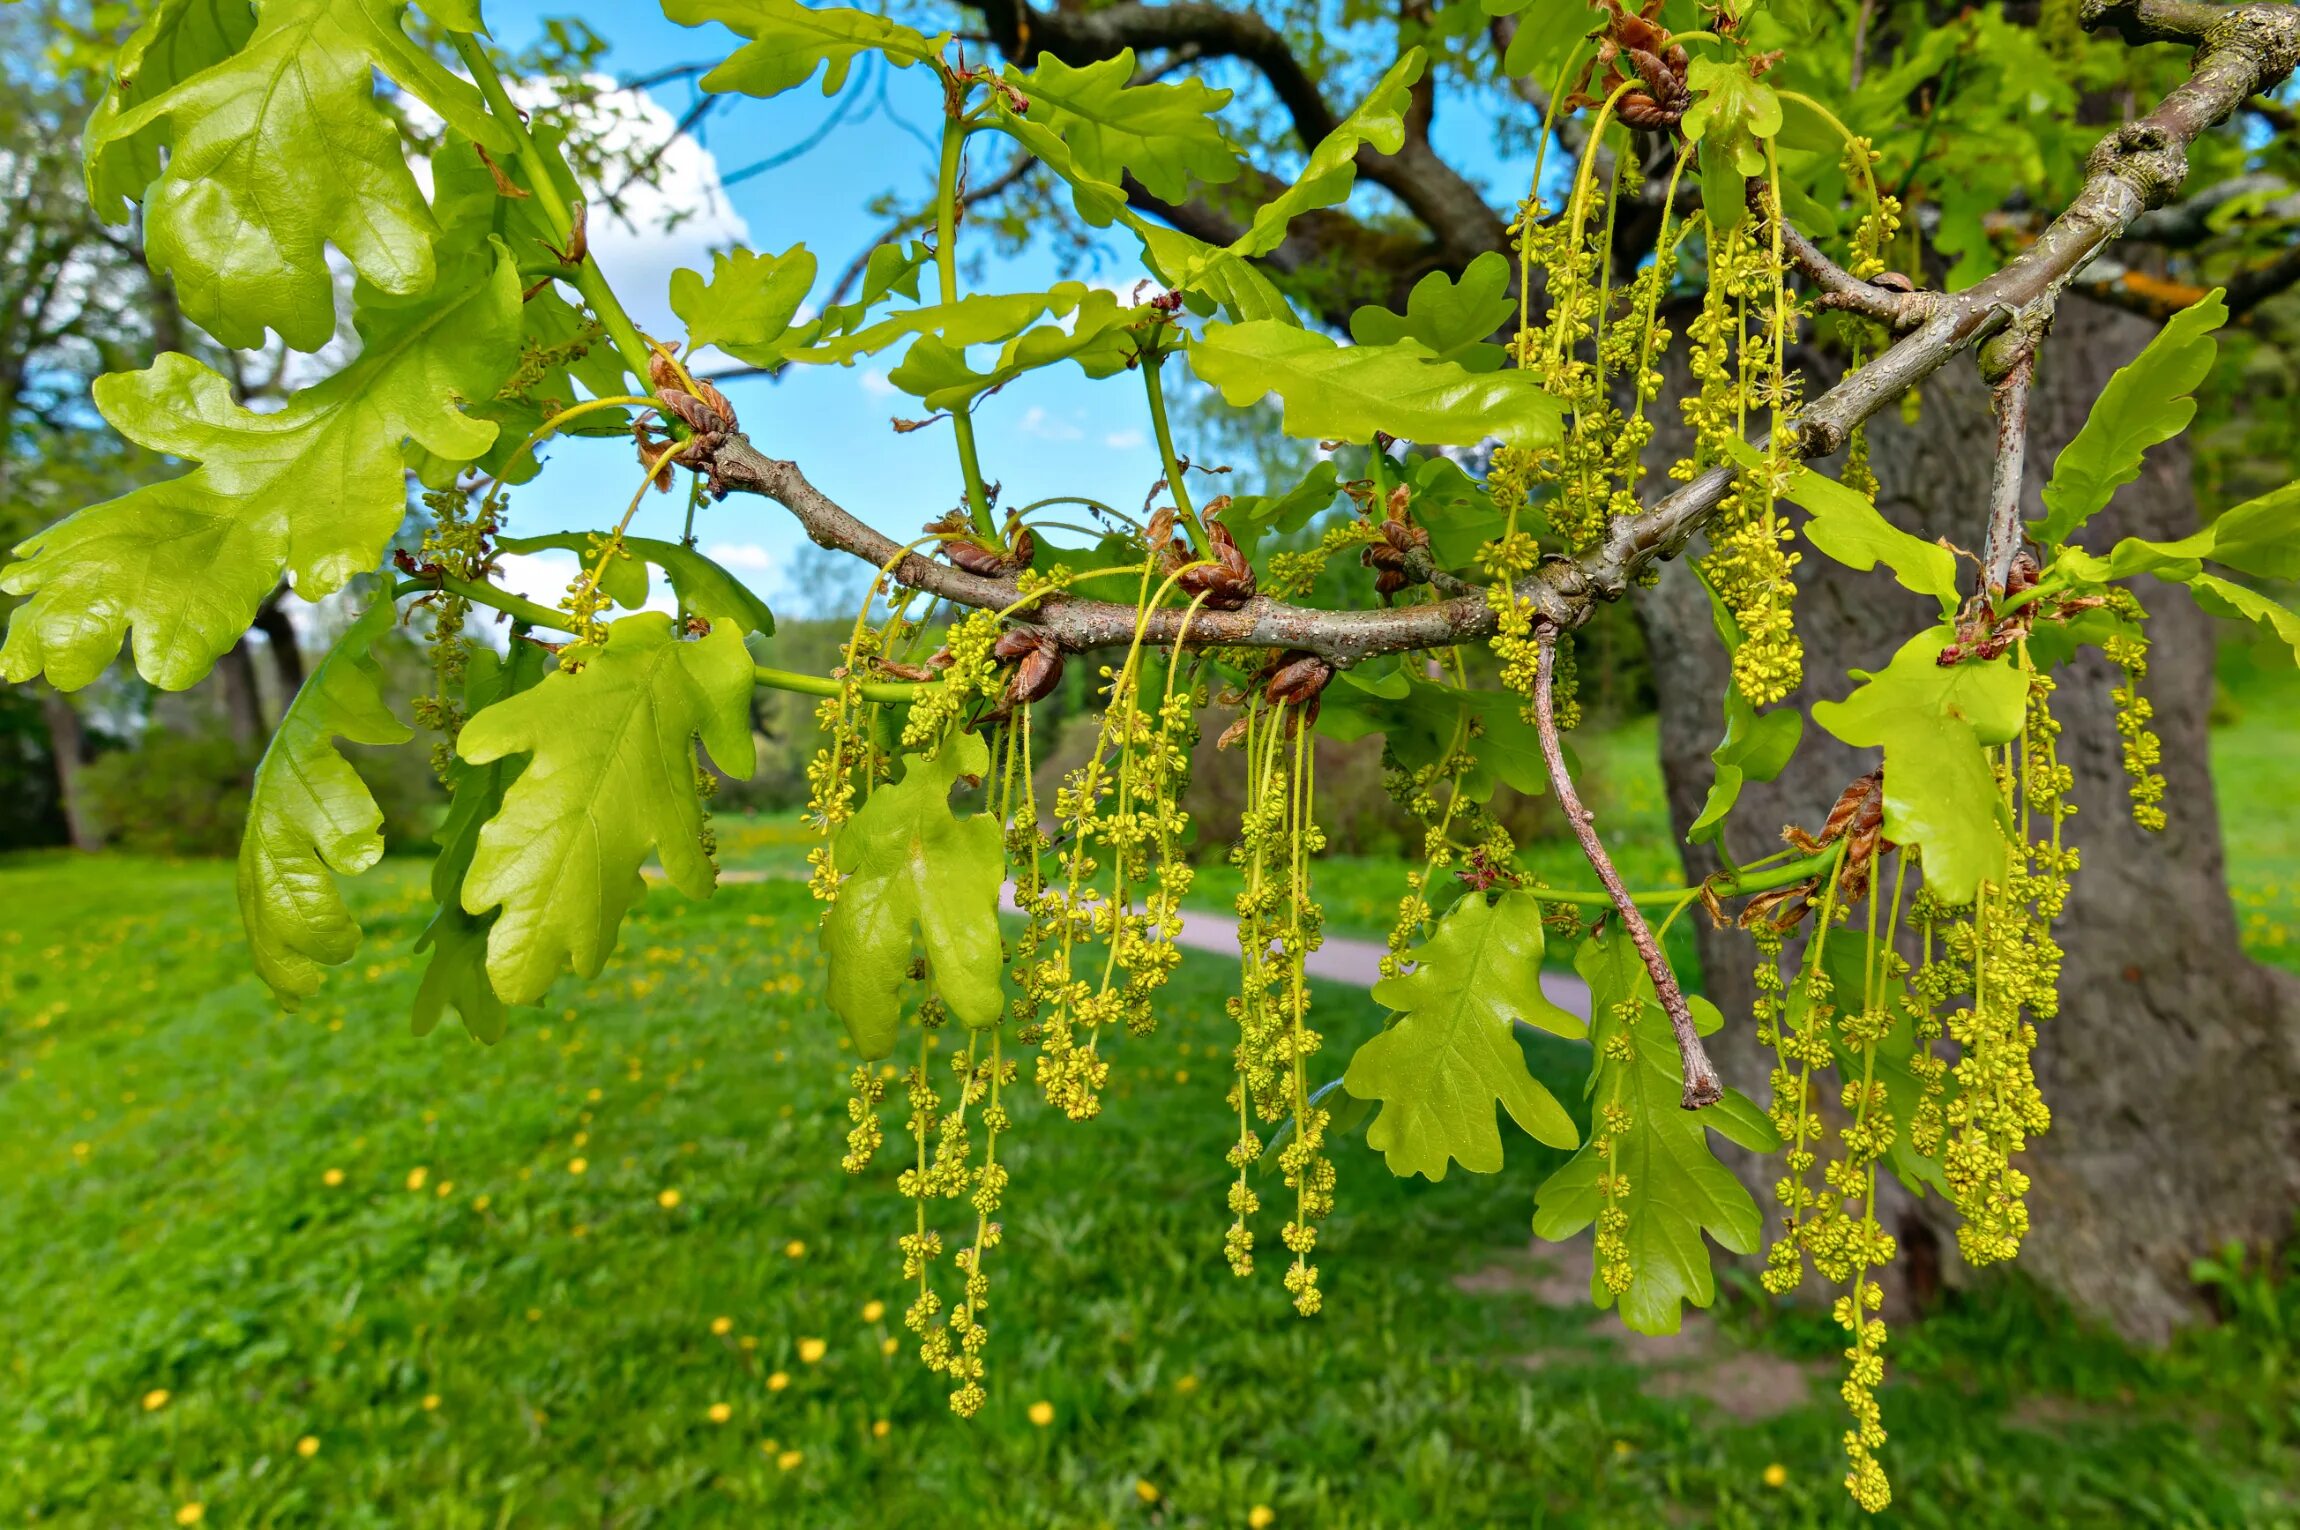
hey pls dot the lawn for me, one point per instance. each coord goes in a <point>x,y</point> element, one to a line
<point>311,1270</point>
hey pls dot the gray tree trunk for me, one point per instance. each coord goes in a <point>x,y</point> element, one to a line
<point>2173,1068</point>
<point>68,750</point>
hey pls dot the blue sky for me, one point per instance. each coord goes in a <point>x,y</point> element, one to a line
<point>1048,433</point>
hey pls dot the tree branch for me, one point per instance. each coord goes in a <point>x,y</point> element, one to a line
<point>1702,1085</point>
<point>2141,165</point>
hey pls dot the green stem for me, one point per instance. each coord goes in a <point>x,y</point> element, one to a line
<point>1152,367</point>
<point>820,685</point>
<point>587,277</point>
<point>1801,870</point>
<point>946,266</point>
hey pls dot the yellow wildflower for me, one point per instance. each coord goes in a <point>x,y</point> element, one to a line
<point>1042,1413</point>
<point>811,1350</point>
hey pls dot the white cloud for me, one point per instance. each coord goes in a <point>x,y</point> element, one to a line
<point>1037,422</point>
<point>742,555</point>
<point>874,382</point>
<point>1124,440</point>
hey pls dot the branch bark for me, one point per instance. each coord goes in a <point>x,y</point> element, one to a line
<point>2243,51</point>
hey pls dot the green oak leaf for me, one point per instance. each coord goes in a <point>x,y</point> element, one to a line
<point>456,975</point>
<point>1251,516</point>
<point>1379,123</point>
<point>1755,748</point>
<point>1165,135</point>
<point>1210,277</point>
<point>315,490</point>
<point>1095,337</point>
<point>1940,794</point>
<point>704,588</point>
<point>2260,536</point>
<point>311,817</point>
<point>2150,400</point>
<point>175,40</point>
<point>1348,393</point>
<point>747,306</point>
<point>278,150</point>
<point>1843,523</point>
<point>981,318</point>
<point>1457,321</point>
<point>1733,111</point>
<point>913,873</point>
<point>1424,724</point>
<point>2237,602</point>
<point>789,41</point>
<point>1538,50</point>
<point>1454,1053</point>
<point>611,777</point>
<point>1459,513</point>
<point>1677,1190</point>
<point>561,349</point>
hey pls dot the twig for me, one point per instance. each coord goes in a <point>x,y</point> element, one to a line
<point>2011,403</point>
<point>1702,1086</point>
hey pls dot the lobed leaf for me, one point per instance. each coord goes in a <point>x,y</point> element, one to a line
<point>611,778</point>
<point>789,42</point>
<point>1932,722</point>
<point>456,975</point>
<point>314,490</point>
<point>1847,526</point>
<point>2147,402</point>
<point>748,304</point>
<point>913,873</point>
<point>1454,1054</point>
<point>1165,134</point>
<point>1676,1190</point>
<point>311,817</point>
<point>274,151</point>
<point>1456,321</point>
<point>1348,393</point>
<point>936,372</point>
<point>1378,123</point>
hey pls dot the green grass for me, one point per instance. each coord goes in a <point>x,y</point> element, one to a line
<point>2255,752</point>
<point>169,1222</point>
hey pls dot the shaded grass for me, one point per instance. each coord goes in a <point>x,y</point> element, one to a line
<point>166,1204</point>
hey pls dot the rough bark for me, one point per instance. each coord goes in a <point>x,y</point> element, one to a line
<point>237,698</point>
<point>2173,1069</point>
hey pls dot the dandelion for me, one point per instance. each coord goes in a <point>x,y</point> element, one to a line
<point>1261,1516</point>
<point>191,1513</point>
<point>308,1446</point>
<point>795,1249</point>
<point>873,1311</point>
<point>482,1202</point>
<point>811,1351</point>
<point>789,1460</point>
<point>722,1326</point>
<point>1145,1490</point>
<point>156,1399</point>
<point>721,1412</point>
<point>778,1381</point>
<point>1042,1413</point>
<point>889,1345</point>
<point>446,1188</point>
<point>668,1200</point>
<point>1186,1385</point>
<point>1776,1475</point>
<point>416,1176</point>
<point>431,1402</point>
<point>578,1165</point>
<point>879,1429</point>
<point>332,1178</point>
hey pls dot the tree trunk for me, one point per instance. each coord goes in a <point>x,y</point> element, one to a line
<point>68,750</point>
<point>236,696</point>
<point>2173,1068</point>
<point>287,657</point>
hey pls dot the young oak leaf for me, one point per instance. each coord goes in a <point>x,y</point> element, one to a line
<point>789,41</point>
<point>914,872</point>
<point>311,817</point>
<point>1454,1051</point>
<point>1349,392</point>
<point>1379,123</point>
<point>704,588</point>
<point>1671,1187</point>
<point>315,489</point>
<point>276,151</point>
<point>749,303</point>
<point>175,40</point>
<point>1933,724</point>
<point>611,777</point>
<point>2148,401</point>
<point>456,976</point>
<point>1165,135</point>
<point>1457,321</point>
